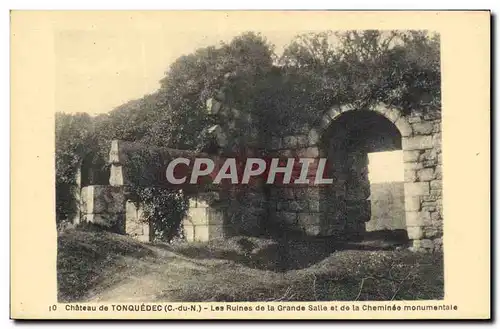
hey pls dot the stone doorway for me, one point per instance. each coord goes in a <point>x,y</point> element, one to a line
<point>354,204</point>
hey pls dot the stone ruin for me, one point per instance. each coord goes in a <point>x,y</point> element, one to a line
<point>344,135</point>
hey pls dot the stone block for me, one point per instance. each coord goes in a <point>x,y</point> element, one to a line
<point>302,141</point>
<point>287,153</point>
<point>192,202</point>
<point>437,127</point>
<point>417,143</point>
<point>429,163</point>
<point>410,175</point>
<point>314,205</point>
<point>437,193</point>
<point>300,192</point>
<point>197,216</point>
<point>305,129</point>
<point>116,175</point>
<point>286,193</point>
<point>436,140</point>
<point>189,233</point>
<point>426,244</point>
<point>392,114</point>
<point>102,199</point>
<point>435,216</point>
<point>414,119</point>
<point>308,219</point>
<point>412,203</point>
<point>312,230</point>
<point>113,222</point>
<point>429,208</point>
<point>423,128</point>
<point>349,107</point>
<point>215,216</point>
<point>333,229</point>
<point>196,233</point>
<point>325,122</point>
<point>404,127</point>
<point>425,175</point>
<point>411,156</point>
<point>114,152</point>
<point>310,152</point>
<point>426,217</point>
<point>334,112</point>
<point>438,244</point>
<point>428,155</point>
<point>417,188</point>
<point>415,232</point>
<point>429,204</point>
<point>412,165</point>
<point>276,143</point>
<point>313,137</point>
<point>213,106</point>
<point>431,232</point>
<point>436,184</point>
<point>215,232</point>
<point>380,108</point>
<point>288,218</point>
<point>289,142</point>
<point>298,205</point>
<point>307,193</point>
<point>282,205</point>
<point>414,218</point>
<point>438,172</point>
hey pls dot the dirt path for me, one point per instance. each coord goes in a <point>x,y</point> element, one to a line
<point>152,279</point>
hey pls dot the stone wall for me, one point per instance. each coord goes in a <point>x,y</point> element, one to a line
<point>103,205</point>
<point>340,210</point>
<point>423,182</point>
<point>136,224</point>
<point>343,208</point>
<point>203,222</point>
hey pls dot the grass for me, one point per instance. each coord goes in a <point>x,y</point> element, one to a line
<point>97,264</point>
<point>88,260</point>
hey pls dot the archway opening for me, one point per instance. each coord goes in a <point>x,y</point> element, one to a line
<point>386,177</point>
<point>364,150</point>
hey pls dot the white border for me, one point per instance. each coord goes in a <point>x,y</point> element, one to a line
<point>494,5</point>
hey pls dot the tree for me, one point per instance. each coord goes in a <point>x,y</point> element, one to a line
<point>74,141</point>
<point>315,71</point>
<point>401,68</point>
<point>193,79</point>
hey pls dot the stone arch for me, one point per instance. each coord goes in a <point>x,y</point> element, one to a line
<point>392,114</point>
<point>421,146</point>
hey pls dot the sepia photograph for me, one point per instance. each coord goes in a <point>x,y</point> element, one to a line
<point>250,165</point>
<point>368,102</point>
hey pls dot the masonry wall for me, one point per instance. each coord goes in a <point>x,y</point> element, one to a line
<point>136,224</point>
<point>204,222</point>
<point>343,208</point>
<point>423,182</point>
<point>103,205</point>
<point>340,210</point>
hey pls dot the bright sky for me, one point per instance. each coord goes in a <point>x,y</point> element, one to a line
<point>99,70</point>
<point>385,167</point>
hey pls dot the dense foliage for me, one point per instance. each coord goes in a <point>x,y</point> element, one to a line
<point>314,72</point>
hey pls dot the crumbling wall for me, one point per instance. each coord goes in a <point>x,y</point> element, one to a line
<point>423,181</point>
<point>104,205</point>
<point>339,210</point>
<point>343,207</point>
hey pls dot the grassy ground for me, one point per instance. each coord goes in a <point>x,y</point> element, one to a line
<point>99,266</point>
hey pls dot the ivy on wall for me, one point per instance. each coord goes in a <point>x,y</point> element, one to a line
<point>282,91</point>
